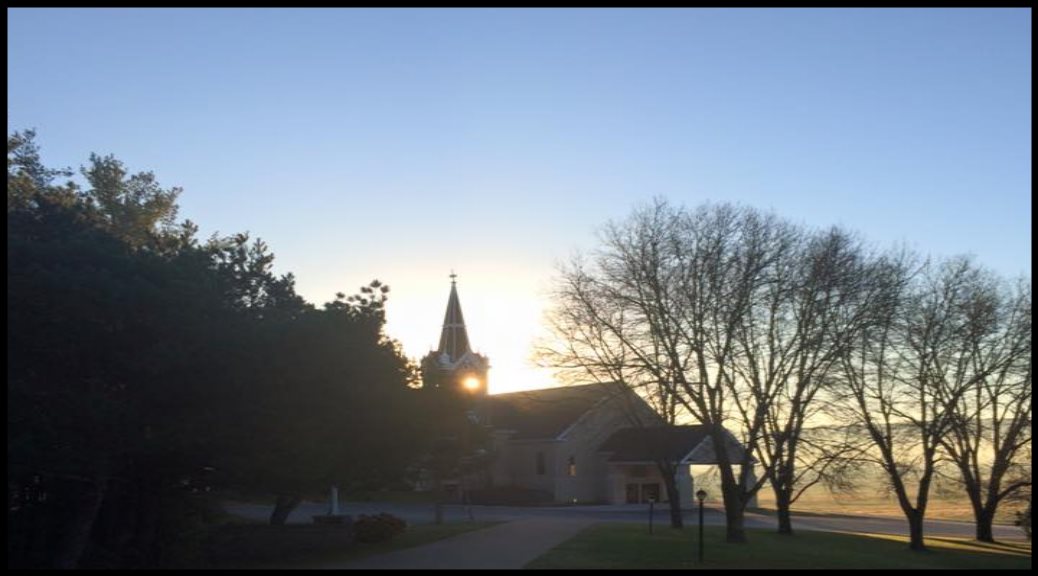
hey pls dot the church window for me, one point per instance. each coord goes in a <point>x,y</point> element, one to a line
<point>540,464</point>
<point>572,466</point>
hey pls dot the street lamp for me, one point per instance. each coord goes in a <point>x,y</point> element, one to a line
<point>701,494</point>
<point>651,502</point>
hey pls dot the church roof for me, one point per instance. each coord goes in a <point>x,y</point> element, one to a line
<point>545,413</point>
<point>454,340</point>
<point>645,444</point>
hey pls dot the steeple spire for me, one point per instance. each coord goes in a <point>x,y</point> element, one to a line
<point>454,340</point>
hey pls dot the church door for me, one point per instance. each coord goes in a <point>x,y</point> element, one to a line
<point>632,494</point>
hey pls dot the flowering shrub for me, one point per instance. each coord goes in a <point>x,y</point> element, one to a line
<point>378,528</point>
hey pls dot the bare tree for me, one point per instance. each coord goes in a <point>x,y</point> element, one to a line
<point>902,374</point>
<point>990,424</point>
<point>593,324</point>
<point>814,301</point>
<point>658,308</point>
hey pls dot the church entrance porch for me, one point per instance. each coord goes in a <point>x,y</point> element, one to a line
<point>641,483</point>
<point>643,493</point>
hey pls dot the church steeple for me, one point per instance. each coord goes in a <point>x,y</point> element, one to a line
<point>454,340</point>
<point>453,364</point>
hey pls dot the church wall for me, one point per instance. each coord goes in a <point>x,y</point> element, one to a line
<point>582,441</point>
<point>520,465</point>
<point>500,467</point>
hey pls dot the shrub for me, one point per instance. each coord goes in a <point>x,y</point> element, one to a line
<point>249,545</point>
<point>378,528</point>
<point>1023,520</point>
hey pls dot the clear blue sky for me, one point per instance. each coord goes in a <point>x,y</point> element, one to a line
<point>400,144</point>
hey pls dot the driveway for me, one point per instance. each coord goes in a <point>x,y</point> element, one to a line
<point>511,545</point>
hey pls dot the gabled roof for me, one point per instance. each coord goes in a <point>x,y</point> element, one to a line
<point>543,414</point>
<point>646,444</point>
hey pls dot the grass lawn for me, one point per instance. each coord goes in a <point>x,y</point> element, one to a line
<point>325,551</point>
<point>606,546</point>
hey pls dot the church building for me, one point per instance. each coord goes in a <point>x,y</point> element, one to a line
<point>595,443</point>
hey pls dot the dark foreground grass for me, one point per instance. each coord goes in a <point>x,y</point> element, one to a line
<point>260,546</point>
<point>606,546</point>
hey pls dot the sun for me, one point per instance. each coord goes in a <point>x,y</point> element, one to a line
<point>471,383</point>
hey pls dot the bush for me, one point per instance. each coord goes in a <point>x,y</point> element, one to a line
<point>186,521</point>
<point>249,545</point>
<point>378,528</point>
<point>1023,520</point>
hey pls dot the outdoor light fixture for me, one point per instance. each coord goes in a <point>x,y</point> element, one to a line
<point>701,494</point>
<point>652,501</point>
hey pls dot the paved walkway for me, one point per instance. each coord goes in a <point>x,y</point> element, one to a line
<point>509,545</point>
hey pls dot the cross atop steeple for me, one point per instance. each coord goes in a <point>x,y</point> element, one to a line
<point>454,340</point>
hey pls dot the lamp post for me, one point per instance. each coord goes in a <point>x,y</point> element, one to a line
<point>651,502</point>
<point>701,495</point>
<point>333,509</point>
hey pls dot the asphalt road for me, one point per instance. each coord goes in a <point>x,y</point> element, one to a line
<point>423,514</point>
<point>508,546</point>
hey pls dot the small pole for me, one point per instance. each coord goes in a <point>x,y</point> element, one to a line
<point>651,502</point>
<point>335,501</point>
<point>702,496</point>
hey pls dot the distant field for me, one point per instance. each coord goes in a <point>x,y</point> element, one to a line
<point>869,499</point>
<point>871,503</point>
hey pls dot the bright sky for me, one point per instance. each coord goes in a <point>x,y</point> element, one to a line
<point>400,144</point>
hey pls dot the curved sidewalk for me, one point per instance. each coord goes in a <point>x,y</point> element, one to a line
<point>504,546</point>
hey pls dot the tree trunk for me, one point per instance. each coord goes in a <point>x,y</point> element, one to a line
<point>734,511</point>
<point>985,531</point>
<point>128,519</point>
<point>782,504</point>
<point>149,520</point>
<point>438,506</point>
<point>674,499</point>
<point>283,508</point>
<point>915,528</point>
<point>735,531</point>
<point>77,532</point>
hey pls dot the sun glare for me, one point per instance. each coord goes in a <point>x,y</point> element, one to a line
<point>472,383</point>
<point>503,320</point>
